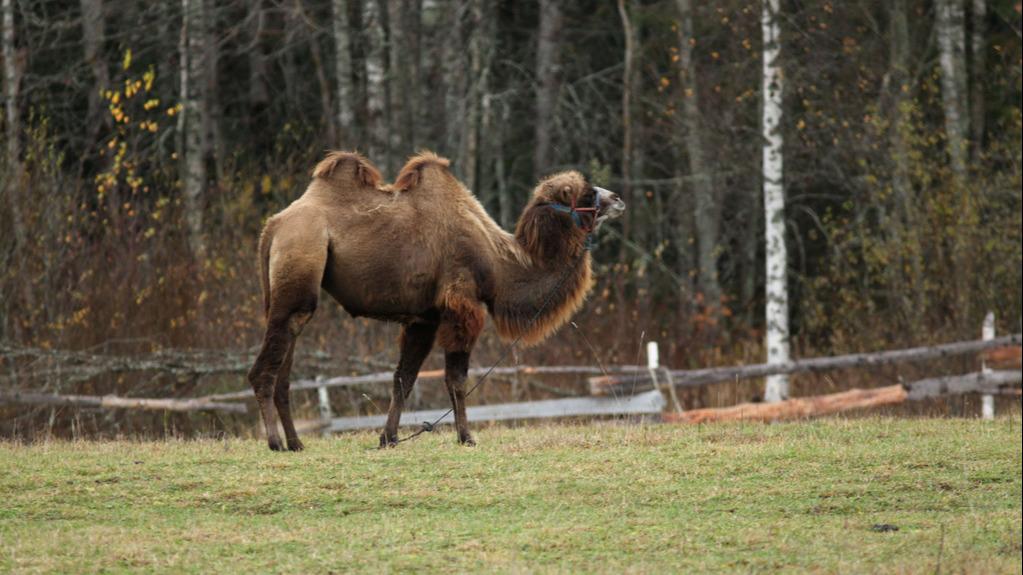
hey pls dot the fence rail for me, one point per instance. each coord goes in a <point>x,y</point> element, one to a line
<point>117,402</point>
<point>651,402</point>
<point>695,377</point>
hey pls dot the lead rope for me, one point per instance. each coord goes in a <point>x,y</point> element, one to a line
<point>428,426</point>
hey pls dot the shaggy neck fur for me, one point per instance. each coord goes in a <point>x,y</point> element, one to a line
<point>555,249</point>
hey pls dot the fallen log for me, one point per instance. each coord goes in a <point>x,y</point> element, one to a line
<point>794,408</point>
<point>803,407</point>
<point>116,402</point>
<point>624,384</point>
<point>1007,357</point>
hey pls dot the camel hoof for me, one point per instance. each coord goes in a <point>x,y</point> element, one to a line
<point>386,441</point>
<point>275,444</point>
<point>467,441</point>
<point>295,445</point>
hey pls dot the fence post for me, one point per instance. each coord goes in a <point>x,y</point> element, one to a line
<point>987,401</point>
<point>324,398</point>
<point>653,363</point>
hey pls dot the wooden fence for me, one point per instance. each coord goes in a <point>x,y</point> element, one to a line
<point>621,390</point>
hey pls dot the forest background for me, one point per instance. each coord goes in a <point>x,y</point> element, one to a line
<point>146,142</point>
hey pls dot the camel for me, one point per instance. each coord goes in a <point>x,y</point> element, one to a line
<point>421,252</point>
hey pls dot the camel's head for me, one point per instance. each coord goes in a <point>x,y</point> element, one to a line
<point>570,193</point>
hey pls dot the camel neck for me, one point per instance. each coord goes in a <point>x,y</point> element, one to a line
<point>525,287</point>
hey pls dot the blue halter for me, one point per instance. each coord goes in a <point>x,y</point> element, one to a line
<point>573,211</point>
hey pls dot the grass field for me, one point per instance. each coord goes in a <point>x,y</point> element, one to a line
<point>650,498</point>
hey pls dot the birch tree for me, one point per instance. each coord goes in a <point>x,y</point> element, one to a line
<point>190,122</point>
<point>693,136</point>
<point>14,178</point>
<point>376,90</point>
<point>343,72</point>
<point>777,297</point>
<point>548,76</point>
<point>951,32</point>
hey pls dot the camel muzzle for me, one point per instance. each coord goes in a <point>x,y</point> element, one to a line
<point>611,204</point>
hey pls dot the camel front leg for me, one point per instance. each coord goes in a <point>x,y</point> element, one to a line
<point>456,372</point>
<point>416,343</point>
<point>461,324</point>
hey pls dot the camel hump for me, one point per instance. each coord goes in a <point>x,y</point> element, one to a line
<point>339,164</point>
<point>413,174</point>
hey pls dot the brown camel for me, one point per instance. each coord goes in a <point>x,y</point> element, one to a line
<point>421,252</point>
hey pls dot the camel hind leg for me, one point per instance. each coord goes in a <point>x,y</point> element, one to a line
<point>294,283</point>
<point>416,343</point>
<point>282,400</point>
<point>273,362</point>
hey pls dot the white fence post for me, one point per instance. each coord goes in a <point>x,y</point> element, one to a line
<point>653,363</point>
<point>987,401</point>
<point>325,415</point>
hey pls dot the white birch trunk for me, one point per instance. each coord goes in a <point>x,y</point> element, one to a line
<point>777,297</point>
<point>376,92</point>
<point>12,82</point>
<point>951,34</point>
<point>191,121</point>
<point>343,71</point>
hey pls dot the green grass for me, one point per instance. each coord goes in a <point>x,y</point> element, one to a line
<point>652,498</point>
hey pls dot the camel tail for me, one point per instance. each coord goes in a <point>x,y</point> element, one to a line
<point>338,164</point>
<point>414,172</point>
<point>265,239</point>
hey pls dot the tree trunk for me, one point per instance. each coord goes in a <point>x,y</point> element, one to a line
<point>15,177</point>
<point>93,37</point>
<point>326,108</point>
<point>505,202</point>
<point>777,297</point>
<point>376,90</point>
<point>193,72</point>
<point>343,71</point>
<point>214,143</point>
<point>978,70</point>
<point>477,88</point>
<point>548,76</point>
<point>898,80</point>
<point>401,78</point>
<point>627,84</point>
<point>453,72</point>
<point>706,215</point>
<point>952,46</point>
<point>259,93</point>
